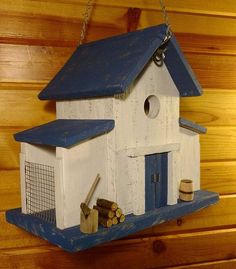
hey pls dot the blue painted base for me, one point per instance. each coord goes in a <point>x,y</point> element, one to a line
<point>73,240</point>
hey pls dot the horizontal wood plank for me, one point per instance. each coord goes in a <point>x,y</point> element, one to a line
<point>221,15</point>
<point>214,71</point>
<point>219,144</point>
<point>216,8</point>
<point>223,264</point>
<point>205,44</point>
<point>216,107</point>
<point>219,177</point>
<point>152,252</point>
<point>9,189</point>
<point>37,30</point>
<point>192,23</point>
<point>9,149</point>
<point>23,108</point>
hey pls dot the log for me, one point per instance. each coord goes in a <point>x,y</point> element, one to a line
<point>104,212</point>
<point>118,212</point>
<point>107,204</point>
<point>121,218</point>
<point>114,220</point>
<point>105,222</point>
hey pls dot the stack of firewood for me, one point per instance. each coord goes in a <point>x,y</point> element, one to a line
<point>108,213</point>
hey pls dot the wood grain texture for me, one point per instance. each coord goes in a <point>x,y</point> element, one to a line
<point>9,148</point>
<point>214,108</point>
<point>9,189</point>
<point>219,177</point>
<point>219,144</point>
<point>223,264</point>
<point>23,102</point>
<point>151,252</point>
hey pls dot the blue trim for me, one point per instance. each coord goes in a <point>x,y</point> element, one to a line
<point>65,133</point>
<point>73,240</point>
<point>187,124</point>
<point>180,70</point>
<point>156,190</point>
<point>109,66</point>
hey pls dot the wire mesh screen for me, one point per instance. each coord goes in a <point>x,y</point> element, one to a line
<point>40,191</point>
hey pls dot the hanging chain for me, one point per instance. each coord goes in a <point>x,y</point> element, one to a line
<point>159,55</point>
<point>165,16</point>
<point>87,15</point>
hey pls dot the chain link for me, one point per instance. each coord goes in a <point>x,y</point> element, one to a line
<point>87,15</point>
<point>165,16</point>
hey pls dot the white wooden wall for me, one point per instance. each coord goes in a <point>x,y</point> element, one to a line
<point>190,157</point>
<point>81,164</point>
<point>133,127</point>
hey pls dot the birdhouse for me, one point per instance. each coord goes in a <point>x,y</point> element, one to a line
<point>118,116</point>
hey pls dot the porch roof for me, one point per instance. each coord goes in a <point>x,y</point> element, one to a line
<point>65,133</point>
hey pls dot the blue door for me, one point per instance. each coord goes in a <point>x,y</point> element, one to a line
<point>156,180</point>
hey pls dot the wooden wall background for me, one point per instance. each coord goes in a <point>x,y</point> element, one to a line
<point>36,38</point>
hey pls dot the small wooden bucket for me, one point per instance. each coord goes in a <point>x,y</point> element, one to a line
<point>186,190</point>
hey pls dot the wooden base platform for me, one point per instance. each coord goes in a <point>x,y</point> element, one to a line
<point>73,240</point>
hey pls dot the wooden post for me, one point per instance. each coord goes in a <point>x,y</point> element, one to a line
<point>89,217</point>
<point>133,15</point>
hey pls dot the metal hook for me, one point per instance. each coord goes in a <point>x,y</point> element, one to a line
<point>159,55</point>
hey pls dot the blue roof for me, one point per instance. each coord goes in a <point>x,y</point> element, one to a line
<point>65,133</point>
<point>109,66</point>
<point>187,124</point>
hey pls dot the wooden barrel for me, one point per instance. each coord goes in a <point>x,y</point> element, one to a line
<point>186,190</point>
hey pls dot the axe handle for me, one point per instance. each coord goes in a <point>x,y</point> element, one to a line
<point>92,190</point>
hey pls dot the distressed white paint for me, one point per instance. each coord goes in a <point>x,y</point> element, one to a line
<point>190,157</point>
<point>93,108</point>
<point>137,175</point>
<point>60,187</point>
<point>140,151</point>
<point>111,167</point>
<point>130,175</point>
<point>123,183</point>
<point>40,154</point>
<point>173,177</point>
<point>81,164</point>
<point>134,128</point>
